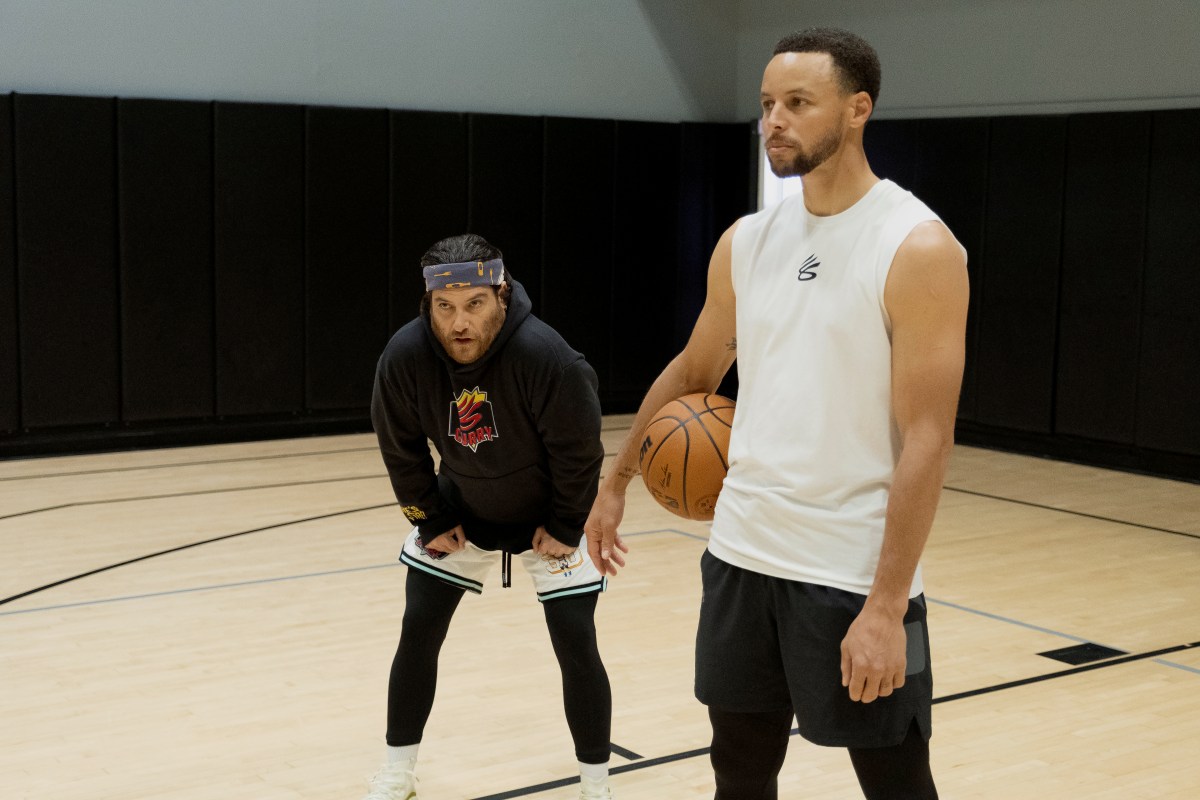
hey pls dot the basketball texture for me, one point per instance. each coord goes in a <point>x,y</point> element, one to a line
<point>685,454</point>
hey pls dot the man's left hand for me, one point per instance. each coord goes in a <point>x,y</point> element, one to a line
<point>873,655</point>
<point>546,545</point>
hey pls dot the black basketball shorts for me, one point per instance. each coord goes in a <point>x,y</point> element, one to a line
<point>770,644</point>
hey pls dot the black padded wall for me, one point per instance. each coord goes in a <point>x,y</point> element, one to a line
<point>1018,308</point>
<point>577,253</point>
<point>1103,239</point>
<point>951,178</point>
<point>259,258</point>
<point>10,407</point>
<point>715,190</point>
<point>505,204</point>
<point>346,254</point>
<point>169,263</point>
<point>646,257</point>
<point>66,256</point>
<point>177,271</point>
<point>164,168</point>
<point>1168,415</point>
<point>891,146</point>
<point>428,198</point>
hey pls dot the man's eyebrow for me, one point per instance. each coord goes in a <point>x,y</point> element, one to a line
<point>798,90</point>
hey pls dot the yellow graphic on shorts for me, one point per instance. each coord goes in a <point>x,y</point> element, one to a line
<point>413,513</point>
<point>564,565</point>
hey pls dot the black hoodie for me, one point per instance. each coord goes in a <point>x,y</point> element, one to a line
<point>517,430</point>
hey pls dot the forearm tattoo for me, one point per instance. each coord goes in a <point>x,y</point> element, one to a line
<point>629,473</point>
<point>732,345</point>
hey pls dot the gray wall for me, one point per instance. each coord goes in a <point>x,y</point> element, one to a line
<point>666,60</point>
<point>946,58</point>
<point>619,59</point>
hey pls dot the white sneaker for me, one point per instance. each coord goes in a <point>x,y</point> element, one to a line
<point>395,782</point>
<point>594,790</point>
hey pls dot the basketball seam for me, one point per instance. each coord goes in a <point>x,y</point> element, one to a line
<point>716,448</point>
<point>681,423</point>
<point>678,424</point>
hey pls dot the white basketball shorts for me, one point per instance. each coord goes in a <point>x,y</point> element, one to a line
<point>553,578</point>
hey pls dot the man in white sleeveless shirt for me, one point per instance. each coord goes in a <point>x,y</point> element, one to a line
<point>845,308</point>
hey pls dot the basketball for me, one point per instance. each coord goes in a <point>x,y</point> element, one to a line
<point>685,454</point>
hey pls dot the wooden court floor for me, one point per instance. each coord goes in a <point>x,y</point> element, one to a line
<point>218,622</point>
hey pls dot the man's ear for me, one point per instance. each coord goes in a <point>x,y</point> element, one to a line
<point>862,109</point>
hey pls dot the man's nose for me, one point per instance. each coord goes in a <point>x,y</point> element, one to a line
<point>771,120</point>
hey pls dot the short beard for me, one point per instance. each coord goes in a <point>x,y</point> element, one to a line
<point>489,331</point>
<point>805,163</point>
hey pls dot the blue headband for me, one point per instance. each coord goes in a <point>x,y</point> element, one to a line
<point>463,274</point>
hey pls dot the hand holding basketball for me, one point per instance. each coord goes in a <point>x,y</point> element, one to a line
<point>684,454</point>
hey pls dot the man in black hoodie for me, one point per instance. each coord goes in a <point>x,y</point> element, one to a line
<point>513,413</point>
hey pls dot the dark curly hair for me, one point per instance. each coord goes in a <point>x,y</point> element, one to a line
<point>856,61</point>
<point>465,247</point>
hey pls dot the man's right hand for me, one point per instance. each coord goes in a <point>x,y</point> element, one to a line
<point>604,541</point>
<point>451,541</point>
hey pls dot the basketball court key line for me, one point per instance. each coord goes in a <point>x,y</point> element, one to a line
<point>1111,662</point>
<point>193,589</point>
<point>195,493</point>
<point>217,586</point>
<point>653,762</point>
<point>1072,512</point>
<point>1010,621</point>
<point>168,551</point>
<point>214,587</point>
<point>187,494</point>
<point>1040,629</point>
<point>181,464</point>
<point>643,764</point>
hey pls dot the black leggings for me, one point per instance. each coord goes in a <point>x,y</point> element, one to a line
<point>748,752</point>
<point>429,606</point>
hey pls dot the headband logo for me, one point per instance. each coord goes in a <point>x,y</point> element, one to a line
<point>463,274</point>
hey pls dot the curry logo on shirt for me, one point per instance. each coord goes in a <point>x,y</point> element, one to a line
<point>471,419</point>
<point>806,269</point>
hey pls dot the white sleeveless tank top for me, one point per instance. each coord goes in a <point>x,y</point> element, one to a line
<point>814,442</point>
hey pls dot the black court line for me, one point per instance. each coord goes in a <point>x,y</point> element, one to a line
<point>644,763</point>
<point>620,751</point>
<point>703,751</point>
<point>545,787</point>
<point>187,547</point>
<point>623,753</point>
<point>1070,511</point>
<point>1065,672</point>
<point>36,511</point>
<point>223,537</point>
<point>194,589</point>
<point>183,464</point>
<point>259,530</point>
<point>169,465</point>
<point>189,494</point>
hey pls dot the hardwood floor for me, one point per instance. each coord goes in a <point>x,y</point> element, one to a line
<point>218,622</point>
